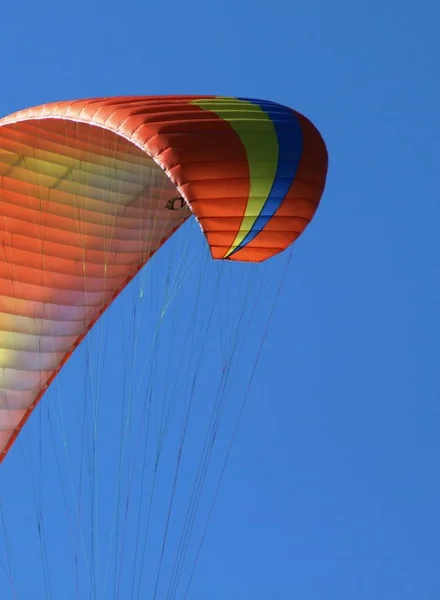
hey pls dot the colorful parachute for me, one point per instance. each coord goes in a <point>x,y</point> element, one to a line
<point>86,190</point>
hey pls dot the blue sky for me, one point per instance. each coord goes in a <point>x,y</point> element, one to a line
<point>333,485</point>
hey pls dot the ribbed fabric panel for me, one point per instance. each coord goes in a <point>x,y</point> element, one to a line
<point>81,210</point>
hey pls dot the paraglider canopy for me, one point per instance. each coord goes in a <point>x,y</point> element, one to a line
<point>87,187</point>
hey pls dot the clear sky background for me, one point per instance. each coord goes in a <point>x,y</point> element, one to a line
<point>332,490</point>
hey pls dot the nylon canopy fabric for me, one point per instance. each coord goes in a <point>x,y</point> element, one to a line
<point>84,193</point>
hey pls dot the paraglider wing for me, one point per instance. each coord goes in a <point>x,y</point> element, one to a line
<point>85,196</point>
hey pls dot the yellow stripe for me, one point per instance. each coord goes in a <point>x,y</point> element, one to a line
<point>257,133</point>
